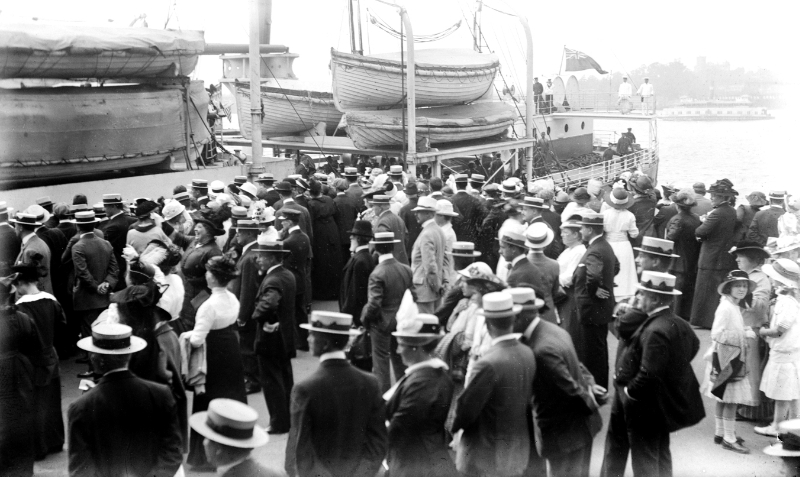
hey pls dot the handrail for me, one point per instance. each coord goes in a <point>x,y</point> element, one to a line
<point>606,171</point>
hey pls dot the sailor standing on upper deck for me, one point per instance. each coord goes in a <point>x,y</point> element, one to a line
<point>647,92</point>
<point>625,90</point>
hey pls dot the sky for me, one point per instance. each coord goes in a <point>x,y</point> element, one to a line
<point>620,36</point>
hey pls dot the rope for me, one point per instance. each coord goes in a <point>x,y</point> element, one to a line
<point>293,108</point>
<point>377,21</point>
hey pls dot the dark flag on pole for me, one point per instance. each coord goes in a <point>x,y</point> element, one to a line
<point>579,61</point>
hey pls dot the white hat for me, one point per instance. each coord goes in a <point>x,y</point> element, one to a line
<point>421,329</point>
<point>112,338</point>
<point>499,305</point>
<point>657,246</point>
<point>785,271</point>
<point>217,187</point>
<point>425,204</point>
<point>658,282</point>
<point>330,322</point>
<point>249,189</point>
<point>231,423</point>
<point>525,297</point>
<point>445,207</point>
<point>538,235</point>
<point>172,209</point>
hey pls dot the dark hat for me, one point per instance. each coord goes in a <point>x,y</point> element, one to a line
<point>737,276</point>
<point>315,187</point>
<point>618,198</point>
<point>684,198</point>
<point>145,208</point>
<point>384,237</point>
<point>301,183</point>
<point>292,214</point>
<point>757,199</point>
<point>362,228</point>
<point>641,184</point>
<point>592,219</point>
<point>699,188</point>
<point>723,187</point>
<point>284,186</point>
<point>214,226</point>
<point>751,246</point>
<point>223,266</point>
<point>411,189</point>
<point>239,180</point>
<point>581,194</point>
<point>30,271</point>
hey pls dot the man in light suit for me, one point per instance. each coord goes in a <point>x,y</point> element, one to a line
<point>388,283</point>
<point>338,412</point>
<point>429,262</point>
<point>124,425</point>
<point>471,210</point>
<point>594,296</point>
<point>493,409</point>
<point>33,245</point>
<point>388,221</point>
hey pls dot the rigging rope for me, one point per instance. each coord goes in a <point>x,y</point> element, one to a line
<point>377,21</point>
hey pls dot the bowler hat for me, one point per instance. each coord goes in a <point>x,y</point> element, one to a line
<point>362,228</point>
<point>266,177</point>
<point>283,186</point>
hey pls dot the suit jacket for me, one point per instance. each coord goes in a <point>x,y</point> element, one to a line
<point>493,412</point>
<point>664,390</point>
<point>94,263</point>
<point>524,271</point>
<point>550,284</point>
<point>353,294</point>
<point>275,304</point>
<point>298,260</point>
<point>305,218</point>
<point>388,283</point>
<point>413,227</point>
<point>33,246</point>
<point>124,426</point>
<point>348,211</point>
<point>416,413</point>
<point>251,468</point>
<point>703,206</point>
<point>9,246</point>
<point>116,232</point>
<point>472,215</point>
<point>717,236</point>
<point>355,192</point>
<point>245,286</point>
<point>388,221</point>
<point>765,224</point>
<point>337,424</point>
<point>597,269</point>
<point>429,263</point>
<point>554,221</point>
<point>57,243</point>
<point>562,403</point>
<point>68,228</point>
<point>270,196</point>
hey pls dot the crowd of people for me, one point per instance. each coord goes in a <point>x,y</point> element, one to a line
<point>471,337</point>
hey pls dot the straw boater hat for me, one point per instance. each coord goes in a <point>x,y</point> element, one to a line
<point>538,236</point>
<point>246,224</point>
<point>182,197</point>
<point>362,228</point>
<point>533,202</point>
<point>512,237</point>
<point>658,282</point>
<point>573,222</point>
<point>238,212</point>
<point>350,172</point>
<point>425,204</point>
<point>461,177</point>
<point>112,199</point>
<point>112,338</point>
<point>231,423</point>
<point>39,212</point>
<point>477,178</point>
<point>5,211</point>
<point>788,444</point>
<point>75,208</point>
<point>465,249</point>
<point>263,244</point>
<point>777,195</point>
<point>100,211</point>
<point>592,219</point>
<point>395,170</point>
<point>751,246</point>
<point>200,184</point>
<point>526,298</point>
<point>445,207</point>
<point>499,305</point>
<point>509,188</point>
<point>330,322</point>
<point>217,187</point>
<point>420,330</point>
<point>384,237</point>
<point>618,198</point>
<point>657,246</point>
<point>266,177</point>
<point>239,180</point>
<point>738,276</point>
<point>381,200</point>
<point>785,271</point>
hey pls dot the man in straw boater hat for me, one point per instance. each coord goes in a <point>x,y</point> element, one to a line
<point>116,232</point>
<point>417,406</point>
<point>594,296</point>
<point>275,333</point>
<point>565,398</point>
<point>539,236</point>
<point>532,210</point>
<point>287,201</point>
<point>388,283</point>
<point>32,245</point>
<point>266,189</point>
<point>298,261</point>
<point>231,434</point>
<point>353,294</point>
<point>338,412</point>
<point>388,221</point>
<point>717,236</point>
<point>471,209</point>
<point>654,381</point>
<point>463,254</point>
<point>765,222</point>
<point>429,260</point>
<point>124,425</point>
<point>788,446</point>
<point>493,409</point>
<point>354,190</point>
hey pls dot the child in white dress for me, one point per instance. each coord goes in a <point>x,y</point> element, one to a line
<point>619,225</point>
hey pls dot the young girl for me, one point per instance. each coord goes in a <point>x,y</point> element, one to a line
<point>619,225</point>
<point>781,380</point>
<point>728,360</point>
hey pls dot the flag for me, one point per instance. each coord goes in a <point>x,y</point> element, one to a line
<point>578,61</point>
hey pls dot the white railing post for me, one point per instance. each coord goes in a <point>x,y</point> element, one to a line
<point>411,99</point>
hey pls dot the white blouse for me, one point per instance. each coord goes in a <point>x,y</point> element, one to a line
<point>568,261</point>
<point>218,312</point>
<point>619,224</point>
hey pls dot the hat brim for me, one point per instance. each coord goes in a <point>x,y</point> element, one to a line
<point>777,450</point>
<point>674,292</point>
<point>474,253</point>
<point>422,209</point>
<point>537,304</point>
<point>762,252</point>
<point>547,241</point>
<point>198,422</point>
<point>351,331</point>
<point>137,344</point>
<point>523,204</point>
<point>422,338</point>
<point>448,214</point>
<point>751,284</point>
<point>772,273</point>
<point>626,205</point>
<point>515,309</point>
<point>268,250</point>
<point>15,221</point>
<point>671,255</point>
<point>785,249</point>
<point>214,230</point>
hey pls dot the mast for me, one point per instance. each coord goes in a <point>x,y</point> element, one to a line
<point>257,9</point>
<point>354,11</point>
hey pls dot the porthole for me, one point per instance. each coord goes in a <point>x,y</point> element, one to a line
<point>566,128</point>
<point>583,125</point>
<point>548,130</point>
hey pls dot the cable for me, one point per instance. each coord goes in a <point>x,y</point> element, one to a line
<point>293,108</point>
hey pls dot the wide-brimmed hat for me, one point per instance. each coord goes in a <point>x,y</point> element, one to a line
<point>265,216</point>
<point>481,271</point>
<point>592,219</point>
<point>445,207</point>
<point>788,444</point>
<point>723,187</point>
<point>641,184</point>
<point>27,219</point>
<point>264,244</point>
<point>534,202</point>
<point>246,224</point>
<point>526,298</point>
<point>145,208</point>
<point>231,423</point>
<point>29,272</point>
<point>465,249</point>
<point>538,235</point>
<point>785,271</point>
<point>112,199</point>
<point>422,329</point>
<point>249,189</point>
<point>618,198</point>
<point>384,237</point>
<point>737,276</point>
<point>573,222</point>
<point>39,212</point>
<point>213,227</point>
<point>657,246</point>
<point>362,228</point>
<point>750,246</point>
<point>499,305</point>
<point>581,195</point>
<point>425,204</point>
<point>757,198</point>
<point>112,338</point>
<point>684,198</point>
<point>330,322</point>
<point>658,282</point>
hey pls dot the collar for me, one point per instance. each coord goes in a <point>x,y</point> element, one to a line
<point>384,257</point>
<point>438,193</point>
<point>35,297</point>
<point>657,310</point>
<point>434,363</point>
<point>339,193</point>
<point>517,259</point>
<point>591,240</point>
<point>87,233</point>
<point>510,336</point>
<point>118,213</point>
<point>223,469</point>
<point>287,200</point>
<point>27,238</point>
<point>776,206</point>
<point>246,247</point>
<point>461,190</point>
<point>384,212</point>
<point>428,222</point>
<point>529,330</point>
<point>293,228</point>
<point>362,247</point>
<point>273,268</point>
<point>339,354</point>
<point>118,370</point>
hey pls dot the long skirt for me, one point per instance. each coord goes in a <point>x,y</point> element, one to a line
<point>626,280</point>
<point>706,298</point>
<point>685,282</point>
<point>48,417</point>
<point>224,379</point>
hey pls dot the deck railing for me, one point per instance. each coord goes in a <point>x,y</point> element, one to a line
<point>596,102</point>
<point>606,171</point>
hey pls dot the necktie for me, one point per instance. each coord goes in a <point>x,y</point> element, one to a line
<point>509,265</point>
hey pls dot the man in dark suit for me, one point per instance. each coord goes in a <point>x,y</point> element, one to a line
<point>471,210</point>
<point>338,412</point>
<point>565,412</point>
<point>116,232</point>
<point>298,261</point>
<point>348,213</point>
<point>656,391</point>
<point>388,283</point>
<point>413,228</point>
<point>354,191</point>
<point>32,246</point>
<point>9,241</point>
<point>765,222</point>
<point>594,296</point>
<point>288,202</point>
<point>388,221</point>
<point>463,255</point>
<point>353,294</point>
<point>521,270</point>
<point>124,425</point>
<point>533,210</point>
<point>493,409</point>
<point>266,192</point>
<point>275,335</point>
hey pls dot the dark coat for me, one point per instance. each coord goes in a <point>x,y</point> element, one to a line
<point>493,412</point>
<point>57,243</point>
<point>549,269</point>
<point>305,217</point>
<point>524,271</point>
<point>337,423</point>
<point>665,214</point>
<point>418,445</point>
<point>33,246</point>
<point>597,269</point>
<point>353,294</point>
<point>94,263</point>
<point>765,224</point>
<point>388,283</point>
<point>413,227</point>
<point>116,232</point>
<point>644,209</point>
<point>656,368</point>
<point>554,221</point>
<point>245,286</point>
<point>276,305</point>
<point>487,243</point>
<point>69,229</point>
<point>388,221</point>
<point>347,216</point>
<point>9,246</point>
<point>355,192</point>
<point>251,468</point>
<point>169,373</point>
<point>298,260</point>
<point>270,196</point>
<point>716,235</point>
<point>326,273</point>
<point>680,230</point>
<point>472,215</point>
<point>124,426</point>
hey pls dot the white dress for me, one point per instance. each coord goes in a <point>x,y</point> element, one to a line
<point>728,330</point>
<point>619,224</point>
<point>568,261</point>
<point>781,379</point>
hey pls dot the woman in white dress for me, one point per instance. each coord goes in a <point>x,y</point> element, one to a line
<point>620,224</point>
<point>568,261</point>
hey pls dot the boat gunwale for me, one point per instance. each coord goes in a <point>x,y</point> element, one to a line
<point>304,94</point>
<point>421,69</point>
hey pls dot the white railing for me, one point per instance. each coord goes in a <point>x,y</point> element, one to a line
<point>596,102</point>
<point>645,160</point>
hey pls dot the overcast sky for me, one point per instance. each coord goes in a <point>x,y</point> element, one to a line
<point>619,35</point>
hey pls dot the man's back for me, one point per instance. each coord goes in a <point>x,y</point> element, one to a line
<point>427,262</point>
<point>472,215</point>
<point>388,221</point>
<point>388,283</point>
<point>413,227</point>
<point>765,224</point>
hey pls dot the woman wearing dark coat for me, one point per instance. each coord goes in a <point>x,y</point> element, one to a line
<point>745,213</point>
<point>326,273</point>
<point>197,254</point>
<point>643,207</point>
<point>680,229</point>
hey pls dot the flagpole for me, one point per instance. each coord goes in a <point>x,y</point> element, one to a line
<point>563,52</point>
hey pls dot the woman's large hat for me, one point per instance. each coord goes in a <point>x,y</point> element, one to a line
<point>526,298</point>
<point>330,322</point>
<point>723,187</point>
<point>581,195</point>
<point>641,184</point>
<point>419,330</point>
<point>618,198</point>
<point>657,246</point>
<point>788,444</point>
<point>750,246</point>
<point>658,282</point>
<point>738,276</point>
<point>757,198</point>
<point>231,423</point>
<point>214,228</point>
<point>785,271</point>
<point>538,235</point>
<point>172,209</point>
<point>499,305</point>
<point>112,338</point>
<point>684,198</point>
<point>481,271</point>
